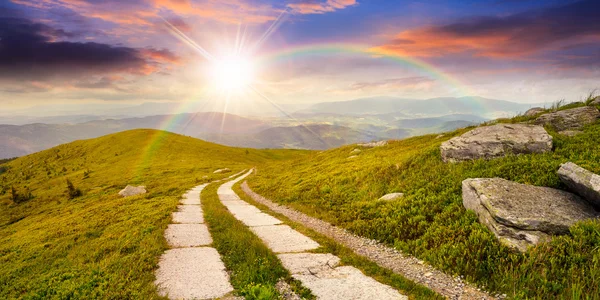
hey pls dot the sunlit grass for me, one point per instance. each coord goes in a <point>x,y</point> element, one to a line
<point>430,221</point>
<point>349,258</point>
<point>100,245</point>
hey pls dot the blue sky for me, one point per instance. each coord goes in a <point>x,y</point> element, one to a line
<point>92,51</point>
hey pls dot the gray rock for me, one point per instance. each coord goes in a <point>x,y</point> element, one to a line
<point>534,111</point>
<point>132,191</point>
<point>522,215</point>
<point>497,141</point>
<point>374,144</point>
<point>224,170</point>
<point>595,101</point>
<point>392,196</point>
<point>581,181</point>
<point>569,119</point>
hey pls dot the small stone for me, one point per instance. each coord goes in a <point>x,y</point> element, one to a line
<point>132,191</point>
<point>428,274</point>
<point>392,196</point>
<point>374,144</point>
<point>356,151</point>
<point>570,132</point>
<point>219,171</point>
<point>534,111</point>
<point>351,157</point>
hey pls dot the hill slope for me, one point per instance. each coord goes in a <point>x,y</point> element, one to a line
<point>100,245</point>
<point>313,136</point>
<point>26,139</point>
<point>430,221</point>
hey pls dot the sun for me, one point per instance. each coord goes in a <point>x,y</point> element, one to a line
<point>232,73</point>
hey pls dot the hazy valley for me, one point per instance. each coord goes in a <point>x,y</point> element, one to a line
<point>321,126</point>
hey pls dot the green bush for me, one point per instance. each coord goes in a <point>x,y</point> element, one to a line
<point>18,197</point>
<point>72,191</point>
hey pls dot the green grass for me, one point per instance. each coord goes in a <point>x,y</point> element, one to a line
<point>99,245</point>
<point>430,221</point>
<point>349,258</point>
<point>254,269</point>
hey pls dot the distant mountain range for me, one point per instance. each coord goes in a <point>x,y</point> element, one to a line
<point>413,107</point>
<point>321,126</point>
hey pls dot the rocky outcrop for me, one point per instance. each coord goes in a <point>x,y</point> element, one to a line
<point>569,119</point>
<point>534,111</point>
<point>523,215</point>
<point>595,101</point>
<point>219,171</point>
<point>497,141</point>
<point>374,144</point>
<point>392,196</point>
<point>130,190</point>
<point>581,181</point>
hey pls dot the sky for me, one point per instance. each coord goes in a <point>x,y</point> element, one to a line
<point>187,52</point>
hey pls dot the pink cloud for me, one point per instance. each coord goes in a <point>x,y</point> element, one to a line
<point>313,7</point>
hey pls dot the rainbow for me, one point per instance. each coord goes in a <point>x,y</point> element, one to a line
<point>457,87</point>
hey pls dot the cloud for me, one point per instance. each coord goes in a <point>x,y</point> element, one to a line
<point>512,36</point>
<point>394,83</point>
<point>32,51</point>
<point>320,7</point>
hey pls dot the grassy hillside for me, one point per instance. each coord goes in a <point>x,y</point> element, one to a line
<point>99,245</point>
<point>430,221</point>
<point>312,136</point>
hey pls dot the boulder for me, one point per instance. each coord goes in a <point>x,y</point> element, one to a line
<point>581,181</point>
<point>392,196</point>
<point>374,144</point>
<point>224,170</point>
<point>534,111</point>
<point>130,190</point>
<point>497,141</point>
<point>523,215</point>
<point>596,101</point>
<point>355,151</point>
<point>569,119</point>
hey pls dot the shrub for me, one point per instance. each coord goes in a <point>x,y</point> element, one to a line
<point>72,191</point>
<point>17,197</point>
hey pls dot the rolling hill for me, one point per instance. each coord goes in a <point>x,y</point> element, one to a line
<point>430,221</point>
<point>99,245</point>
